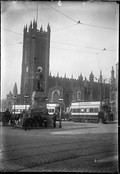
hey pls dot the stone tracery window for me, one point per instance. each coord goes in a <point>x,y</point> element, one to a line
<point>56,96</point>
<point>79,95</point>
<point>74,96</point>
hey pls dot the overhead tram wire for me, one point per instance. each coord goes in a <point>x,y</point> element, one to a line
<point>63,43</point>
<point>76,45</point>
<point>88,52</point>
<point>61,13</point>
<point>11,44</point>
<point>67,27</point>
<point>58,42</point>
<point>78,22</point>
<point>98,26</point>
<point>12,31</point>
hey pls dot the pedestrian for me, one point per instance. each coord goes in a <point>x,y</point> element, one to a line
<point>45,121</point>
<point>101,117</point>
<point>35,120</point>
<point>111,116</point>
<point>40,120</point>
<point>26,123</point>
<point>7,116</point>
<point>54,119</point>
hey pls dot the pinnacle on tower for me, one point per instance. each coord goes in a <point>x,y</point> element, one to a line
<point>72,76</point>
<point>34,24</point>
<point>25,28</point>
<point>30,25</point>
<point>48,27</point>
<point>65,75</point>
<point>101,76</point>
<point>81,77</point>
<point>15,91</point>
<point>112,73</point>
<point>41,29</point>
<point>91,77</point>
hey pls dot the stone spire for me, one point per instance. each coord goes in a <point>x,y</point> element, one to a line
<point>91,77</point>
<point>30,27</point>
<point>101,76</point>
<point>85,82</point>
<point>71,76</point>
<point>112,73</point>
<point>57,74</point>
<point>81,77</point>
<point>48,28</point>
<point>41,29</point>
<point>25,29</point>
<point>15,91</point>
<point>65,75</point>
<point>34,24</point>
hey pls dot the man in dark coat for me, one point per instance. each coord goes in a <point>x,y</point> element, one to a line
<point>7,116</point>
<point>54,119</point>
<point>26,123</point>
<point>101,116</point>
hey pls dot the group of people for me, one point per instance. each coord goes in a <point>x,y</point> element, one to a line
<point>35,120</point>
<point>105,116</point>
<point>9,119</point>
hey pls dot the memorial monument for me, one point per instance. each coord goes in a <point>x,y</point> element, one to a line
<point>39,98</point>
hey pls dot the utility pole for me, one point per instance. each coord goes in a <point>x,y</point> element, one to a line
<point>61,100</point>
<point>14,98</point>
<point>25,96</point>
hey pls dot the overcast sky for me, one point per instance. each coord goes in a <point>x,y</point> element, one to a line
<point>74,48</point>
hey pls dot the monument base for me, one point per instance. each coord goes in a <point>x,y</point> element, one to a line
<point>39,107</point>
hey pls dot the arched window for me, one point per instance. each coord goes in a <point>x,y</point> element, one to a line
<point>67,100</point>
<point>78,95</point>
<point>74,96</point>
<point>55,96</point>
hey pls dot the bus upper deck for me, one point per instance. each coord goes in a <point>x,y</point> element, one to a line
<point>85,111</point>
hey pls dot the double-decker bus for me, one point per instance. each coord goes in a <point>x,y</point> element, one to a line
<point>55,106</point>
<point>17,109</point>
<point>85,111</point>
<point>52,107</point>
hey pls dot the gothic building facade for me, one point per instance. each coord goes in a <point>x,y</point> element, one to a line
<point>36,51</point>
<point>76,90</point>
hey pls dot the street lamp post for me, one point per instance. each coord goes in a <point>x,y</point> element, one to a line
<point>60,100</point>
<point>46,103</point>
<point>14,98</point>
<point>104,84</point>
<point>101,80</point>
<point>25,96</point>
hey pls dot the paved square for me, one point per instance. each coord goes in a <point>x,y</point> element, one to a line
<point>76,147</point>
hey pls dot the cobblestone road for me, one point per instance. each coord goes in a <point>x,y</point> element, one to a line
<point>76,147</point>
